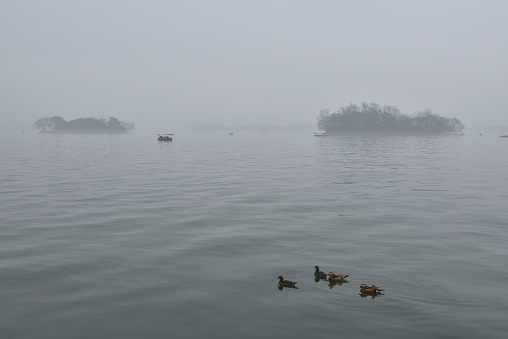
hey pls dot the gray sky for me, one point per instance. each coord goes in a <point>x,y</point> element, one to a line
<point>166,65</point>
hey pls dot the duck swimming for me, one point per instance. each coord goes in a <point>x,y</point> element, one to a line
<point>286,283</point>
<point>319,274</point>
<point>369,289</point>
<point>332,277</point>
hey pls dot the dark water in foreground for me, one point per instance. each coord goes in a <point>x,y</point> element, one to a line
<point>126,237</point>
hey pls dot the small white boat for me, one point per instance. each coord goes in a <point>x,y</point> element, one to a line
<point>320,134</point>
<point>165,137</point>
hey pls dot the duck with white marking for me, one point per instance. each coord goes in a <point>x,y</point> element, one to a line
<point>334,278</point>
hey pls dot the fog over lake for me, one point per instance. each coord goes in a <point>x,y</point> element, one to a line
<point>174,64</point>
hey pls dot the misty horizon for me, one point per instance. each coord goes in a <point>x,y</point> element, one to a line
<point>182,64</point>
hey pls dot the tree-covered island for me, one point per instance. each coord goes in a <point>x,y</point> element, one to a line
<point>58,124</point>
<point>373,118</point>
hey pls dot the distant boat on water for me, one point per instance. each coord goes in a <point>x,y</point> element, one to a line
<point>320,134</point>
<point>165,137</point>
<point>504,135</point>
<point>231,133</point>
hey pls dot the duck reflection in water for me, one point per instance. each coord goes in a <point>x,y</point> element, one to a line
<point>372,295</point>
<point>286,287</point>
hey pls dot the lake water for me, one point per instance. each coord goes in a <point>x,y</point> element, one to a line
<point>127,237</point>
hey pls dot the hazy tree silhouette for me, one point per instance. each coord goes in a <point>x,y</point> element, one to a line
<point>57,124</point>
<point>371,117</point>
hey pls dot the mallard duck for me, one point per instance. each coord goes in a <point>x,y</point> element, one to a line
<point>369,289</point>
<point>319,274</point>
<point>332,277</point>
<point>286,283</point>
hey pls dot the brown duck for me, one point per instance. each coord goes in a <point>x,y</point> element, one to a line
<point>369,289</point>
<point>332,277</point>
<point>286,283</point>
<point>319,274</point>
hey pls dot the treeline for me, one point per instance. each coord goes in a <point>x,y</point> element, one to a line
<point>58,124</point>
<point>371,117</point>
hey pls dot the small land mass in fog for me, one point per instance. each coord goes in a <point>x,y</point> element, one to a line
<point>373,118</point>
<point>58,124</point>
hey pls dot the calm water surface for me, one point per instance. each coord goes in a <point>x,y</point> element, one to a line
<point>126,237</point>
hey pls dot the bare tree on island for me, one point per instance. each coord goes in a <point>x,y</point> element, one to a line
<point>371,117</point>
<point>57,124</point>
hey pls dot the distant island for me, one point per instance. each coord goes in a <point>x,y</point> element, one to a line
<point>58,124</point>
<point>371,117</point>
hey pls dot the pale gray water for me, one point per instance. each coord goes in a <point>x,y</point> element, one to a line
<point>127,237</point>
